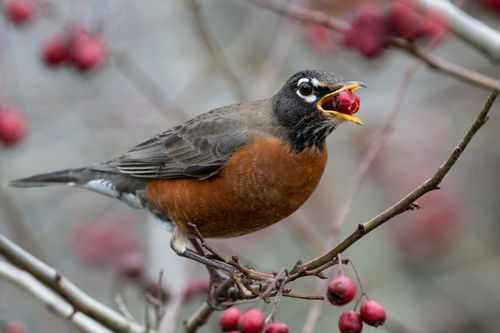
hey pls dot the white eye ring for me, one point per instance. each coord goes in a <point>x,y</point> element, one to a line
<point>309,97</point>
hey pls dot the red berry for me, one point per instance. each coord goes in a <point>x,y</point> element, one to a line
<point>320,38</point>
<point>341,290</point>
<point>367,32</point>
<point>252,321</point>
<point>55,50</point>
<point>346,102</point>
<point>350,322</point>
<point>87,51</point>
<point>229,319</point>
<point>197,287</point>
<point>132,264</point>
<point>493,5</point>
<point>277,328</point>
<point>372,313</point>
<point>104,242</point>
<point>12,126</point>
<point>15,327</point>
<point>406,21</point>
<point>20,11</point>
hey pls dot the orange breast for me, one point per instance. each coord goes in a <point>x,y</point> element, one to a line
<point>261,184</point>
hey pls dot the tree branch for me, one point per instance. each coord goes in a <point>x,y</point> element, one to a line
<point>403,204</point>
<point>474,32</point>
<point>215,51</point>
<point>72,294</point>
<point>50,301</point>
<point>330,22</point>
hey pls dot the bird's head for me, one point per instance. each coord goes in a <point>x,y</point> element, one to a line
<point>308,106</point>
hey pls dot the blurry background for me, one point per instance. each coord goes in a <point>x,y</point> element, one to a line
<point>435,269</point>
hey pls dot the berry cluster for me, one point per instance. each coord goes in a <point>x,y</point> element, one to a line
<point>252,321</point>
<point>341,290</point>
<point>370,26</point>
<point>77,46</point>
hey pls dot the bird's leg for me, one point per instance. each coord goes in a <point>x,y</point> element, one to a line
<point>251,273</point>
<point>178,243</point>
<point>205,245</point>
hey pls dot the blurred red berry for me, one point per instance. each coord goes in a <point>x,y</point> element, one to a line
<point>350,322</point>
<point>406,21</point>
<point>493,5</point>
<point>429,231</point>
<point>341,290</point>
<point>251,321</point>
<point>277,328</point>
<point>132,264</point>
<point>372,313</point>
<point>320,38</point>
<point>229,319</point>
<point>15,327</point>
<point>12,126</point>
<point>87,51</point>
<point>197,287</point>
<point>346,102</point>
<point>104,242</point>
<point>20,11</point>
<point>55,50</point>
<point>367,32</point>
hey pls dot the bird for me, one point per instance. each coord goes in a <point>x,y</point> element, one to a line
<point>228,172</point>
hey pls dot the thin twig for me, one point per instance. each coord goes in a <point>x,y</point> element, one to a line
<point>168,322</point>
<point>280,49</point>
<point>277,301</point>
<point>200,316</point>
<point>148,87</point>
<point>215,51</point>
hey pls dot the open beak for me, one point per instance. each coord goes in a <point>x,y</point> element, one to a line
<point>325,104</point>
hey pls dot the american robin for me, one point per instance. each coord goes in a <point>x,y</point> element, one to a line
<point>229,171</point>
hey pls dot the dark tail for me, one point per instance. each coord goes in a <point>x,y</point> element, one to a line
<point>115,185</point>
<point>63,177</point>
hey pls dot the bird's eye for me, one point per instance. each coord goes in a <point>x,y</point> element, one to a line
<point>305,89</point>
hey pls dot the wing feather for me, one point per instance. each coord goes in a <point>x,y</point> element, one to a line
<point>195,149</point>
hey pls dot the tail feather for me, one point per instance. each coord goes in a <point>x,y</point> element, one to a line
<point>63,177</point>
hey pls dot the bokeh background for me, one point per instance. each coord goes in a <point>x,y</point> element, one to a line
<point>436,269</point>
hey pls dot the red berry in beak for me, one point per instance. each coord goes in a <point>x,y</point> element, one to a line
<point>372,313</point>
<point>346,102</point>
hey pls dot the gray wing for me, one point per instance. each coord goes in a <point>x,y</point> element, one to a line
<point>197,148</point>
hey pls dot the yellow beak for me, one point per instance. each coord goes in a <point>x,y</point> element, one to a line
<point>353,85</point>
